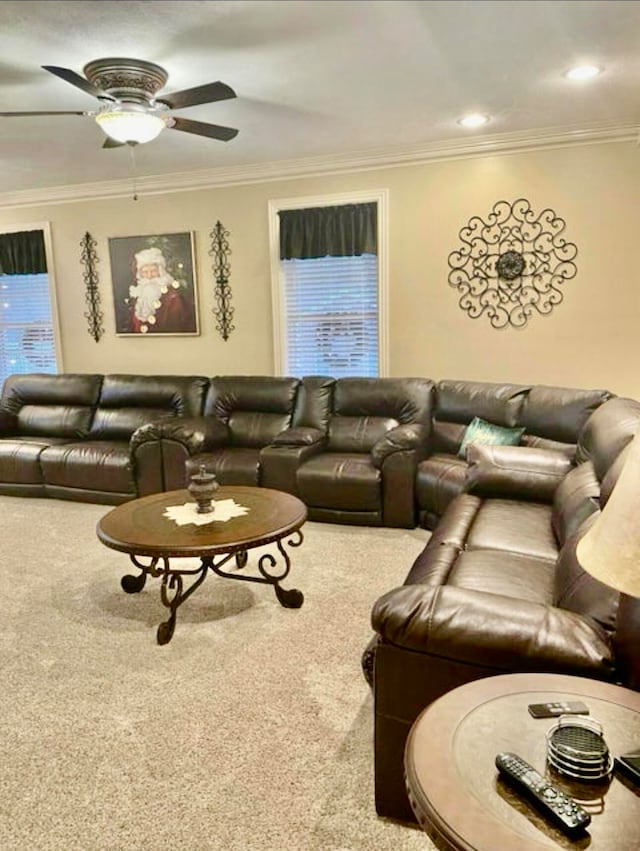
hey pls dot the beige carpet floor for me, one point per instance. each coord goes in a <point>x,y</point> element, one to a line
<point>251,730</point>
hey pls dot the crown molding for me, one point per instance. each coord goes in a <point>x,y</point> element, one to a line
<point>238,175</point>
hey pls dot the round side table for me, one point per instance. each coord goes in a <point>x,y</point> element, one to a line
<point>454,787</point>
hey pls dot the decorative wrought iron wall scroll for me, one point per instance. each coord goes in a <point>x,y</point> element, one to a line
<point>89,259</point>
<point>220,252</point>
<point>512,264</point>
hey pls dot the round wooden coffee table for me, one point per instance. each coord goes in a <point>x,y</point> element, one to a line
<point>454,787</point>
<point>141,529</point>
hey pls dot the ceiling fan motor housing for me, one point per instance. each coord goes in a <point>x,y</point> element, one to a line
<point>132,80</point>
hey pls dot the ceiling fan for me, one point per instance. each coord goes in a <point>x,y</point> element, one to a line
<point>131,112</point>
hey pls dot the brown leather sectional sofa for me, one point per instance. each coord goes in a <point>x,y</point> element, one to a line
<point>496,589</point>
<point>347,447</point>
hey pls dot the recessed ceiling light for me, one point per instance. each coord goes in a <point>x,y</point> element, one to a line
<point>474,119</point>
<point>583,72</point>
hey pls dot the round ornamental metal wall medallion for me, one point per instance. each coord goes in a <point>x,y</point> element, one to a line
<point>511,266</point>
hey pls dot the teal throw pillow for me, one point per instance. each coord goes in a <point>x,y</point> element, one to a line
<point>480,431</point>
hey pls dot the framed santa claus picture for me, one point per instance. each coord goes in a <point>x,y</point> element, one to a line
<point>154,284</point>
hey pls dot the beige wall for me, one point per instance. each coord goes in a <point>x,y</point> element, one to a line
<point>590,340</point>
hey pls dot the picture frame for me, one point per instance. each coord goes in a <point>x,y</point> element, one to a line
<point>153,278</point>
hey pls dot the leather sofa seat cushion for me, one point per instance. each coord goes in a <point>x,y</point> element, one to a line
<point>93,465</point>
<point>509,574</point>
<point>439,479</point>
<point>20,458</point>
<point>232,465</point>
<point>515,527</point>
<point>342,481</point>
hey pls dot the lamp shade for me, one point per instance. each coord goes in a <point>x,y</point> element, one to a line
<point>610,550</point>
<point>129,123</point>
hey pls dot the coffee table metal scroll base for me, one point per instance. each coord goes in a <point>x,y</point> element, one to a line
<point>173,593</point>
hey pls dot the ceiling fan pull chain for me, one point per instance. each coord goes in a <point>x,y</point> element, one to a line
<point>133,171</point>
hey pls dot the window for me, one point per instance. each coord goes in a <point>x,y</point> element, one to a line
<point>329,310</point>
<point>26,330</point>
<point>27,309</point>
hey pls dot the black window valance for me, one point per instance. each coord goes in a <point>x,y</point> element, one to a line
<point>347,230</point>
<point>22,253</point>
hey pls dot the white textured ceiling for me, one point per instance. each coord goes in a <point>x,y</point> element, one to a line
<point>313,78</point>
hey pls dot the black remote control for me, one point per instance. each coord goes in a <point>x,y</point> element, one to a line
<point>552,801</point>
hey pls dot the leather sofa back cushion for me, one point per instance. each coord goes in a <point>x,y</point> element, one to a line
<point>129,401</point>
<point>314,402</point>
<point>228,394</point>
<point>52,405</point>
<point>576,591</point>
<point>357,434</point>
<point>255,428</point>
<point>405,400</point>
<point>606,433</point>
<point>120,423</point>
<point>461,401</point>
<point>536,442</point>
<point>181,395</point>
<point>559,413</point>
<point>515,472</point>
<point>575,499</point>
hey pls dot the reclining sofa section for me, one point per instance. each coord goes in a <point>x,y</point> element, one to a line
<point>498,588</point>
<point>347,447</point>
<point>70,436</point>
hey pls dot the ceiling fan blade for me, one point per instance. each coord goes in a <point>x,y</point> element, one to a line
<point>213,131</point>
<point>208,93</point>
<point>70,76</point>
<point>55,112</point>
<point>111,143</point>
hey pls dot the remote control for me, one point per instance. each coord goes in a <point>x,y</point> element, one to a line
<point>552,801</point>
<point>560,707</point>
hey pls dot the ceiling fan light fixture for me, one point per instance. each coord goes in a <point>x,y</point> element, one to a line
<point>129,123</point>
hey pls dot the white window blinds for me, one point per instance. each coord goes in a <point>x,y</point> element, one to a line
<point>26,327</point>
<point>331,316</point>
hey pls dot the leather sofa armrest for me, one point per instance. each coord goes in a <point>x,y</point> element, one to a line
<point>298,436</point>
<point>8,423</point>
<point>279,464</point>
<point>493,631</point>
<point>398,439</point>
<point>514,472</point>
<point>196,434</point>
